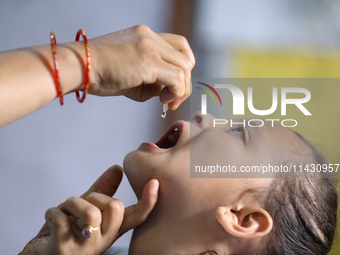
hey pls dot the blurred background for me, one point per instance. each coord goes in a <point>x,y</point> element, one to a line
<point>59,152</point>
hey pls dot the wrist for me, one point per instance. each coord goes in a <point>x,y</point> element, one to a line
<point>71,65</point>
<point>70,55</point>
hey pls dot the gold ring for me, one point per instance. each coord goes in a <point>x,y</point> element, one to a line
<point>87,230</point>
<point>218,215</point>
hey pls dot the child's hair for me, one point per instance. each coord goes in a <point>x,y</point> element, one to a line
<point>304,212</point>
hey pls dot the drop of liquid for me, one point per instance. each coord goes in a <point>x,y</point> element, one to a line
<point>163,114</point>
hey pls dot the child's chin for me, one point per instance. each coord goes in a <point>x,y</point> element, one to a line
<point>134,173</point>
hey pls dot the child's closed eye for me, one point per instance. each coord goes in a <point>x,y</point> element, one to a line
<point>240,132</point>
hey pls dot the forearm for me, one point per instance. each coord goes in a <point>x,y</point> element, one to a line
<point>133,62</point>
<point>26,77</point>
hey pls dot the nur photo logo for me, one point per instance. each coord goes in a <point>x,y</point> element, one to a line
<point>204,97</point>
<point>237,100</point>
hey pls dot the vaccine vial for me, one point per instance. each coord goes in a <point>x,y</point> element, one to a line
<point>165,109</point>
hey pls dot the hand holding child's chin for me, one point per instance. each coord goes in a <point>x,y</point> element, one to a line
<point>91,223</point>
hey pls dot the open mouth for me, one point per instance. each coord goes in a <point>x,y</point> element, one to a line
<point>170,138</point>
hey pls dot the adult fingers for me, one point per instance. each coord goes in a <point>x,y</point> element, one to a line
<point>108,182</point>
<point>173,78</point>
<point>144,92</point>
<point>182,56</point>
<point>180,43</point>
<point>112,213</point>
<point>59,225</point>
<point>84,212</point>
<point>178,59</point>
<point>175,51</point>
<point>177,102</point>
<point>138,213</point>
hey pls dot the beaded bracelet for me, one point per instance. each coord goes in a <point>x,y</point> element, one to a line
<point>56,69</point>
<point>86,80</point>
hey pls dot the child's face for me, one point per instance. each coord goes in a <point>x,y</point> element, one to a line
<point>222,145</point>
<point>182,197</point>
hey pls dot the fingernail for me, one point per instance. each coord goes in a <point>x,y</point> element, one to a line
<point>174,107</point>
<point>155,187</point>
<point>118,166</point>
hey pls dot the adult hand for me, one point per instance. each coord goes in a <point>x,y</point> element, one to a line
<point>62,232</point>
<point>136,61</point>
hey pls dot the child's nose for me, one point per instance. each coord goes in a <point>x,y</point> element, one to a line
<point>203,121</point>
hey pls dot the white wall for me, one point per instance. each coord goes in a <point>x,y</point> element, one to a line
<point>59,151</point>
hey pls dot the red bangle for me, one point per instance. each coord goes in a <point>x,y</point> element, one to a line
<point>56,69</point>
<point>86,80</point>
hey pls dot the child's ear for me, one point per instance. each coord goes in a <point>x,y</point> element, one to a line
<point>246,221</point>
